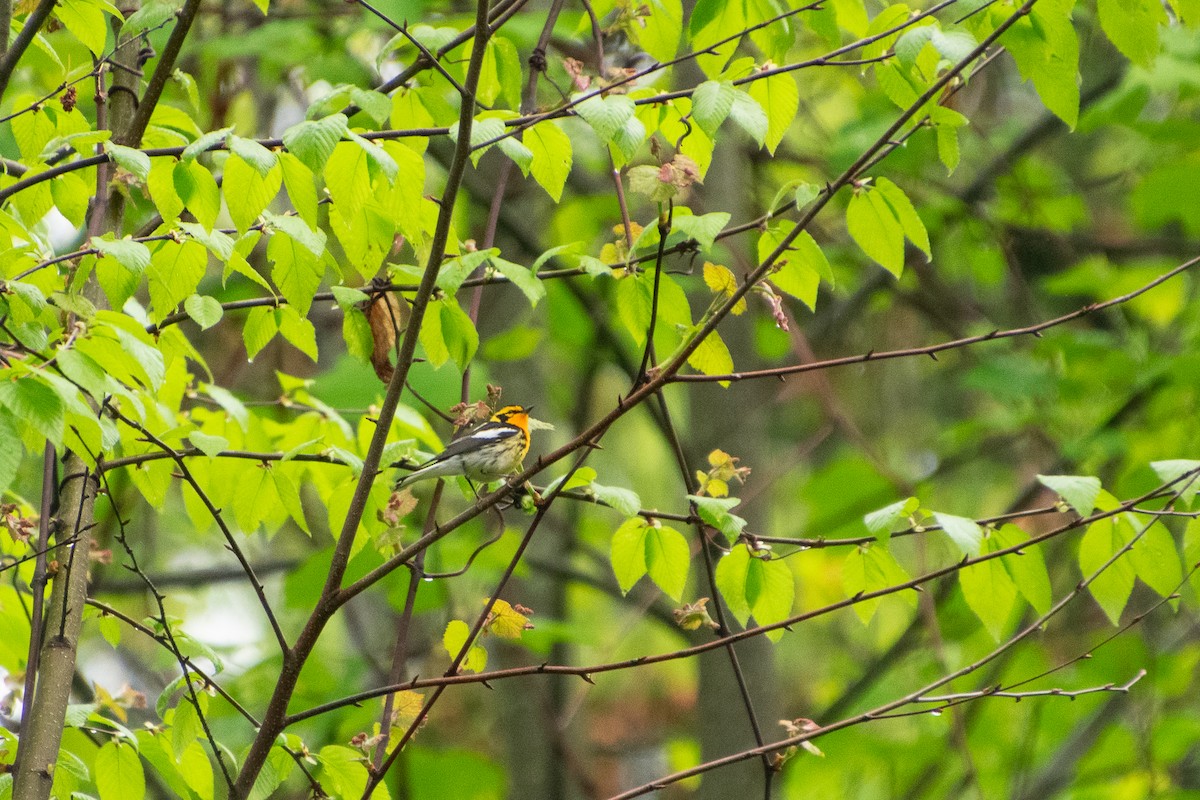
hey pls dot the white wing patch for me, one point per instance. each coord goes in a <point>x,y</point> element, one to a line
<point>494,433</point>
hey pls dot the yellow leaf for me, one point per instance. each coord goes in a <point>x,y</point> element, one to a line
<point>722,281</point>
<point>715,487</point>
<point>507,622</point>
<point>406,706</point>
<point>712,357</point>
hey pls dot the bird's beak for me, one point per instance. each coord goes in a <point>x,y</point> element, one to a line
<point>528,409</point>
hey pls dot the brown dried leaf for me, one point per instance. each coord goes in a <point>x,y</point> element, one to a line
<point>387,313</point>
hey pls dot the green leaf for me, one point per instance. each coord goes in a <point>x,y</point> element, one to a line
<point>253,154</point>
<point>524,279</point>
<point>659,29</point>
<point>453,640</point>
<point>645,179</point>
<point>640,547</point>
<point>1191,552</point>
<point>483,130</point>
<point>133,256</point>
<point>1156,561</point>
<point>71,196</point>
<point>348,297</point>
<point>946,123</point>
<point>197,772</point>
<point>1170,472</point>
<point>1026,566</point>
<point>1080,491</point>
<point>1111,588</point>
<point>280,762</point>
<point>228,403</point>
<point>432,340</point>
<point>185,726</point>
<point>780,97</point>
<point>626,501</point>
<point>1046,48</point>
<point>204,143</point>
<point>259,329</point>
<point>110,629</point>
<point>627,141</point>
<point>906,214</point>
<point>150,15</point>
<point>135,162</point>
<point>704,228</point>
<point>606,115</point>
<point>715,512</point>
<point>296,268</point>
<point>989,591</point>
<point>635,295</point>
<point>748,115</point>
<point>301,188</point>
<point>10,456</point>
<point>712,102</point>
<point>209,445</point>
<point>348,178</point>
<point>580,478</point>
<point>456,270</point>
<point>774,588</point>
<point>731,581</point>
<point>247,192</point>
<point>141,352</point>
<point>458,332</point>
<point>889,519</point>
<point>1132,25</point>
<point>1187,10</point>
<point>289,496</point>
<point>198,190</point>
<point>118,772</point>
<point>912,42</point>
<point>297,330</point>
<point>628,552</point>
<point>255,498</point>
<point>874,227</point>
<point>376,105</point>
<point>85,20</point>
<point>378,159</point>
<point>871,568</point>
<point>520,155</point>
<point>752,586</point>
<point>713,21</point>
<point>161,183</point>
<point>75,304</point>
<point>176,269</point>
<point>801,269</point>
<point>552,157</point>
<point>28,295</point>
<point>35,403</point>
<point>313,141</point>
<point>205,310</point>
<point>964,532</point>
<point>311,239</point>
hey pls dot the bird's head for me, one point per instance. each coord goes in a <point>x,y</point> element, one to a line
<point>513,415</point>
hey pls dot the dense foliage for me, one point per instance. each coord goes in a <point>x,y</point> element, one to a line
<point>862,346</point>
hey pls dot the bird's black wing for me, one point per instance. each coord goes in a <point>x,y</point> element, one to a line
<point>486,433</point>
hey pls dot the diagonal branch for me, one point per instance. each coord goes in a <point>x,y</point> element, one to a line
<point>327,605</point>
<point>215,512</point>
<point>132,135</point>
<point>33,23</point>
<point>934,349</point>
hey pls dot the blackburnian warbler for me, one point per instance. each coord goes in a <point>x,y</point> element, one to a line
<point>485,454</point>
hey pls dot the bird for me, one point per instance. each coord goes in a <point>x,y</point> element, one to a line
<point>485,453</point>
